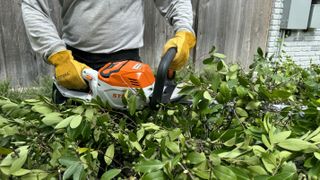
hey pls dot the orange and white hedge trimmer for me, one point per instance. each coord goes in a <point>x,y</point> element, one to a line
<point>113,80</point>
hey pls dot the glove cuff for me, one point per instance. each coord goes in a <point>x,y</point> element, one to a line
<point>60,57</point>
<point>188,37</point>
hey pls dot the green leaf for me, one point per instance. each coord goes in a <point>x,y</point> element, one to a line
<point>140,134</point>
<point>196,98</point>
<point>241,112</point>
<point>231,142</point>
<point>241,173</point>
<point>9,130</point>
<point>89,114</point>
<point>137,146</point>
<point>133,137</point>
<point>223,172</point>
<point>10,106</point>
<point>316,138</point>
<point>317,155</point>
<point>284,176</point>
<point>5,170</point>
<point>266,142</point>
<point>52,119</point>
<point>42,109</point>
<point>7,161</point>
<point>19,162</point>
<point>313,134</point>
<point>196,81</point>
<point>174,134</point>
<point>76,121</point>
<point>3,121</point>
<point>208,61</point>
<point>108,156</point>
<point>176,160</point>
<point>68,160</point>
<point>260,52</point>
<point>207,96</point>
<point>187,90</point>
<point>146,166</point>
<point>94,154</point>
<point>203,105</point>
<point>5,151</point>
<point>296,145</point>
<point>112,173</point>
<point>21,172</point>
<point>196,158</point>
<point>160,134</point>
<point>215,159</point>
<point>234,68</point>
<point>285,155</point>
<point>35,174</point>
<point>170,112</point>
<point>220,56</point>
<point>224,89</point>
<point>204,174</point>
<point>281,136</point>
<point>71,170</point>
<point>172,146</point>
<point>230,154</point>
<point>253,105</point>
<point>157,175</point>
<point>64,123</point>
<point>132,103</point>
<point>280,94</point>
<point>266,122</point>
<point>241,91</point>
<point>269,163</point>
<point>150,126</point>
<point>258,150</point>
<point>257,170</point>
<point>79,172</point>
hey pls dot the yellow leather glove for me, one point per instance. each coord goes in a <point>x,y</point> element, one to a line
<point>67,70</point>
<point>184,41</point>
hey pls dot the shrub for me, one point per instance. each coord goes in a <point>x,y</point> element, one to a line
<point>257,124</point>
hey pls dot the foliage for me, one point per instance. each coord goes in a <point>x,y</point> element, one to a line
<point>41,87</point>
<point>258,124</point>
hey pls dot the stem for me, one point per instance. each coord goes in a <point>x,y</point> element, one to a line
<point>185,169</point>
<point>126,116</point>
<point>60,175</point>
<point>236,115</point>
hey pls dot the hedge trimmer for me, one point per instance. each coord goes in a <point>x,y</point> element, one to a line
<point>115,79</point>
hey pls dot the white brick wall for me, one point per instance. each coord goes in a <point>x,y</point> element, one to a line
<point>302,46</point>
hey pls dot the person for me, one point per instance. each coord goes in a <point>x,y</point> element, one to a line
<point>97,32</point>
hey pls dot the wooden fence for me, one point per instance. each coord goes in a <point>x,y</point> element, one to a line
<point>235,27</point>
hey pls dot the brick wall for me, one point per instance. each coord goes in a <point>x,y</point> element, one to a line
<point>302,46</point>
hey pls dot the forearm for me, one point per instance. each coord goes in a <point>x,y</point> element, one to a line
<point>41,31</point>
<point>178,12</point>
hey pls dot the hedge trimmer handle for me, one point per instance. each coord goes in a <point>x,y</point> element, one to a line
<point>162,76</point>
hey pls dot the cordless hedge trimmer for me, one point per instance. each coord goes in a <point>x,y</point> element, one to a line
<point>114,79</point>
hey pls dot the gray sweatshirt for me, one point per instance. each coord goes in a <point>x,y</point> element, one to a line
<point>95,26</point>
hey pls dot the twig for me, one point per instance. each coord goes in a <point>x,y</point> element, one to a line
<point>185,169</point>
<point>60,175</point>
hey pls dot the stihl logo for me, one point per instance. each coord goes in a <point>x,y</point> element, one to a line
<point>137,66</point>
<point>117,95</point>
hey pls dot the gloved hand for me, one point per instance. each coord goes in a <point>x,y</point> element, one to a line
<point>184,41</point>
<point>67,70</point>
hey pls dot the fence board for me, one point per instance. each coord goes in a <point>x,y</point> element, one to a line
<point>3,74</point>
<point>235,27</point>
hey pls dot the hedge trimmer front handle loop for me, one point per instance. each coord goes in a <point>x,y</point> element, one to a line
<point>162,76</point>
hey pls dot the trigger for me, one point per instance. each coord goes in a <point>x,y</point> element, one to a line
<point>88,77</point>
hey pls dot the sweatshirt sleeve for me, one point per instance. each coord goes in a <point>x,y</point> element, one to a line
<point>42,33</point>
<point>178,12</point>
